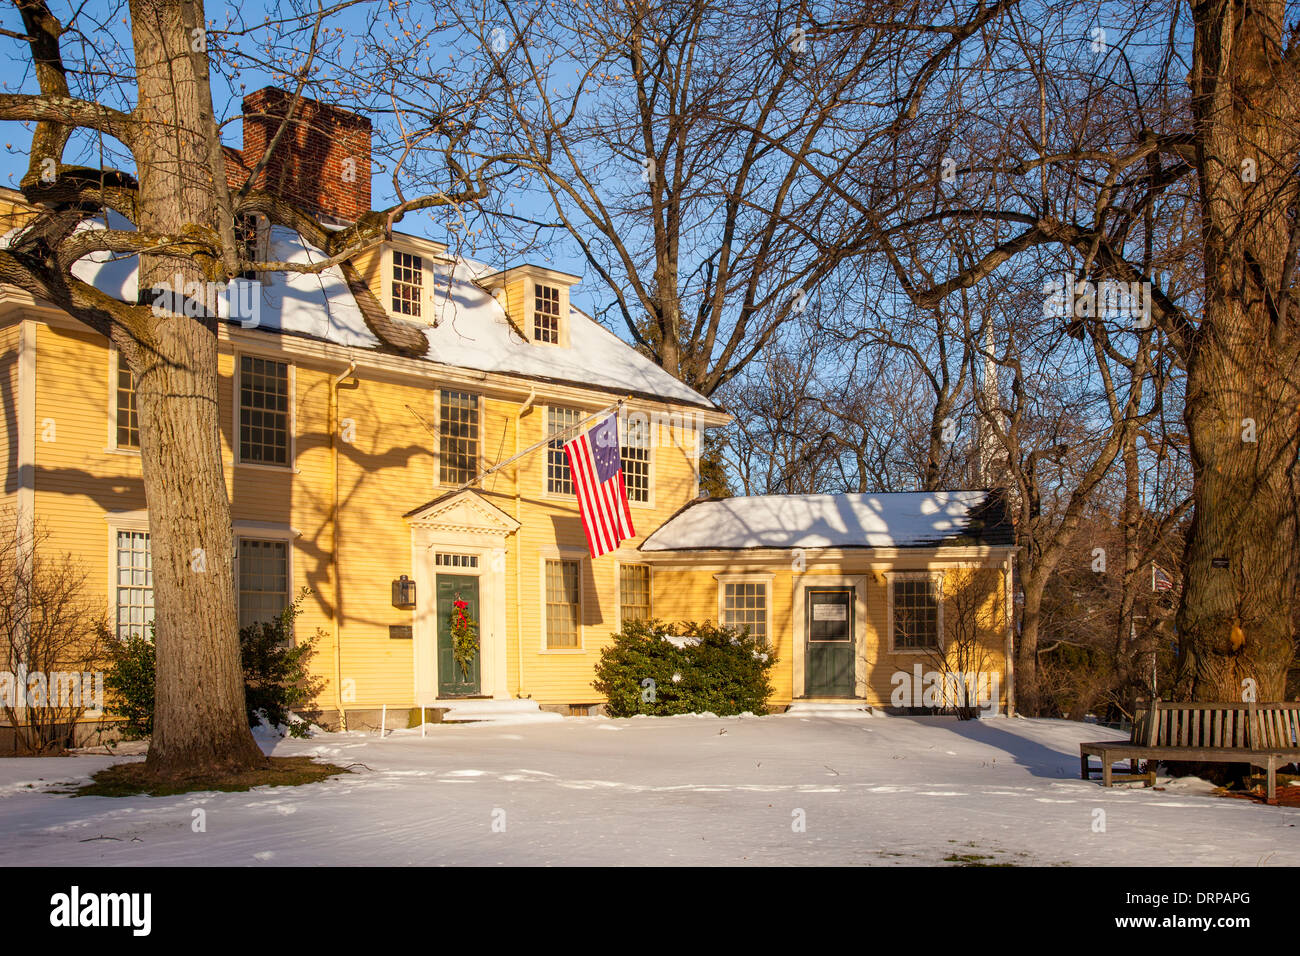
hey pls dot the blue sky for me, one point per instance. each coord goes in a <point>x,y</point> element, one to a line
<point>107,21</point>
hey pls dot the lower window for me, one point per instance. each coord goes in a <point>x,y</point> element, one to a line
<point>634,592</point>
<point>263,580</point>
<point>744,606</point>
<point>562,604</point>
<point>134,598</point>
<point>916,613</point>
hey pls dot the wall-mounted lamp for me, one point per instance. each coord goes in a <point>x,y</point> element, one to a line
<point>404,592</point>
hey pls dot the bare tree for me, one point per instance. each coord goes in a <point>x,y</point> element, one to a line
<point>51,642</point>
<point>685,149</point>
<point>145,93</point>
<point>1121,138</point>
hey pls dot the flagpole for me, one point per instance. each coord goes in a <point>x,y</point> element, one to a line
<point>617,406</point>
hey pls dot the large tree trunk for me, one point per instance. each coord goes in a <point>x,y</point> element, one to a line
<point>1235,622</point>
<point>199,719</point>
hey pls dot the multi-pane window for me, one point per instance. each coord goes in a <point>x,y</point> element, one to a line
<point>634,592</point>
<point>458,437</point>
<point>128,420</point>
<point>561,604</point>
<point>447,560</point>
<point>560,424</point>
<point>263,580</point>
<point>263,411</point>
<point>546,314</point>
<point>744,606</point>
<point>635,454</point>
<point>134,584</point>
<point>408,281</point>
<point>916,614</point>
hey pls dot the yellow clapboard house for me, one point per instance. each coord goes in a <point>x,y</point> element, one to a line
<point>391,486</point>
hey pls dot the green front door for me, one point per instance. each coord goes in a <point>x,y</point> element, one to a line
<point>829,654</point>
<point>452,680</point>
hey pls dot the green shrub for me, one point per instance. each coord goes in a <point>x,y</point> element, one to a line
<point>721,670</point>
<point>130,681</point>
<point>276,679</point>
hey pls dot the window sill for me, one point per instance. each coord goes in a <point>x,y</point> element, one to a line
<point>257,466</point>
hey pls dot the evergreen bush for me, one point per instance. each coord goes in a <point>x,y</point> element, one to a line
<point>722,670</point>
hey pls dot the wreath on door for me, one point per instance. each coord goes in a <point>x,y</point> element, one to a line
<point>464,635</point>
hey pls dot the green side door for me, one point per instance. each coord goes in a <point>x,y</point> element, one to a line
<point>830,649</point>
<point>452,680</point>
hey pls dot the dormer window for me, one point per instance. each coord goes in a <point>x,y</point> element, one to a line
<point>546,315</point>
<point>536,302</point>
<point>408,283</point>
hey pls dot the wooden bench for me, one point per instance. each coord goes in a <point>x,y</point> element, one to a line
<point>1262,735</point>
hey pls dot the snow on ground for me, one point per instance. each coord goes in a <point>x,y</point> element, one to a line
<point>651,791</point>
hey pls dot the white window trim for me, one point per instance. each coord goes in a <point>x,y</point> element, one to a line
<point>547,493</point>
<point>766,579</point>
<point>114,358</point>
<point>291,467</point>
<point>530,313</point>
<point>135,521</point>
<point>618,587</point>
<point>262,531</point>
<point>563,554</point>
<point>427,277</point>
<point>437,420</point>
<point>935,578</point>
<point>649,503</point>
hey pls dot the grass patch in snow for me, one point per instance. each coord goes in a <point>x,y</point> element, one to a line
<point>974,859</point>
<point>131,779</point>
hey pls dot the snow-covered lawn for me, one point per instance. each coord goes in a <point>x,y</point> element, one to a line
<point>685,790</point>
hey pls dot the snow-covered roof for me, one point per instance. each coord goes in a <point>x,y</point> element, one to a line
<point>470,331</point>
<point>893,520</point>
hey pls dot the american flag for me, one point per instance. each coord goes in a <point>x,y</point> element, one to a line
<point>598,480</point>
<point>1160,581</point>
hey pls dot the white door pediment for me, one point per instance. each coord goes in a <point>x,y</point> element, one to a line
<point>464,512</point>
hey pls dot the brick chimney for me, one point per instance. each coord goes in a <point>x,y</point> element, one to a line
<point>322,161</point>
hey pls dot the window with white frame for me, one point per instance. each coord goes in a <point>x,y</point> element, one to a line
<point>408,283</point>
<point>559,427</point>
<point>263,579</point>
<point>744,606</point>
<point>914,600</point>
<point>134,583</point>
<point>458,437</point>
<point>263,411</point>
<point>546,314</point>
<point>562,604</point>
<point>634,452</point>
<point>634,592</point>
<point>128,418</point>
